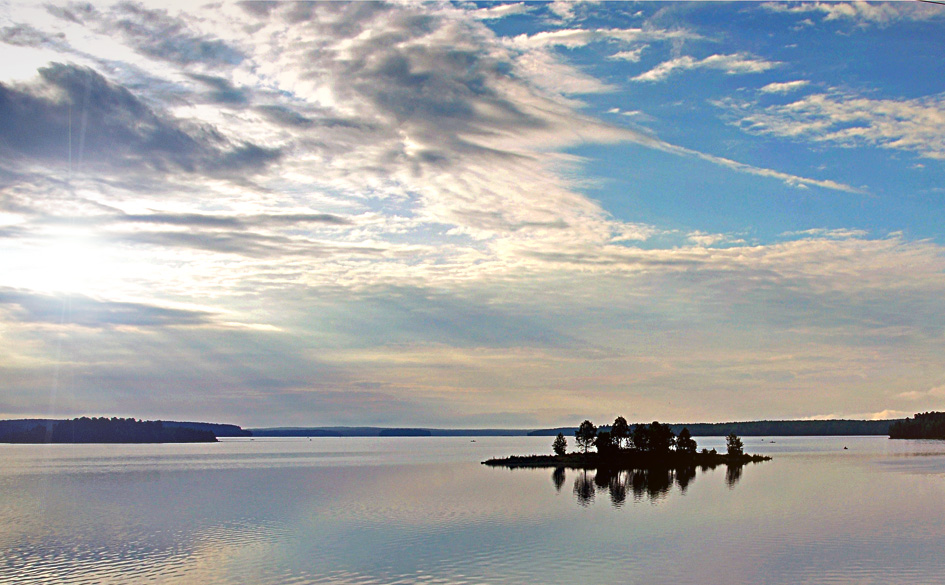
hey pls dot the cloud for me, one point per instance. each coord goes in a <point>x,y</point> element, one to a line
<point>633,55</point>
<point>936,392</point>
<point>87,312</point>
<point>575,37</point>
<point>501,11</point>
<point>913,125</point>
<point>861,12</point>
<point>841,233</point>
<point>732,64</point>
<point>73,115</point>
<point>785,87</point>
<point>153,32</point>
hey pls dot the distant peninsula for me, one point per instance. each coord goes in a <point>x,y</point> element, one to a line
<point>924,425</point>
<point>112,430</point>
<point>653,446</point>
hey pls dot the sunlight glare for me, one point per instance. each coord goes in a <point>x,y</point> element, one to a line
<point>64,264</point>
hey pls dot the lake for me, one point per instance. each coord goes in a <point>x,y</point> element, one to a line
<point>423,510</point>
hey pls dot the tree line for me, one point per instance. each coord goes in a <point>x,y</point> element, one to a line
<point>655,438</point>
<point>924,425</point>
<point>107,430</point>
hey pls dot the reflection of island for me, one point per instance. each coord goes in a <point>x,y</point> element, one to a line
<point>642,484</point>
<point>646,461</point>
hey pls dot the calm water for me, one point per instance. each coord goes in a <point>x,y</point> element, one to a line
<point>423,510</point>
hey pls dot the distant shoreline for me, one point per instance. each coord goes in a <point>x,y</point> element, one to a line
<point>765,428</point>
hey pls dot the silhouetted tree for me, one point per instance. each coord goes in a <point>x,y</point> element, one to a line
<point>604,443</point>
<point>685,443</point>
<point>560,446</point>
<point>661,438</point>
<point>734,444</point>
<point>620,431</point>
<point>641,437</point>
<point>585,435</point>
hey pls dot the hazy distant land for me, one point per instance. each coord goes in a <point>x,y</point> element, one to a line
<point>37,430</point>
<point>764,428</point>
<point>113,430</point>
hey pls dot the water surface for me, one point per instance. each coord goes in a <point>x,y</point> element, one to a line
<point>423,510</point>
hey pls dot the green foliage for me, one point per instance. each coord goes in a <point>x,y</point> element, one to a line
<point>734,445</point>
<point>585,435</point>
<point>560,446</point>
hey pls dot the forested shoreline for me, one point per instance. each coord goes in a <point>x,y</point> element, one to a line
<point>104,430</point>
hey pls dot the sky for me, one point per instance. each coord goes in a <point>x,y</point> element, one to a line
<point>469,214</point>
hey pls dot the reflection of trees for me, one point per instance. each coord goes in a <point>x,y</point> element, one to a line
<point>618,488</point>
<point>557,477</point>
<point>684,477</point>
<point>584,489</point>
<point>649,485</point>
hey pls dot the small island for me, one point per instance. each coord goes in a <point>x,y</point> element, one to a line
<point>652,446</point>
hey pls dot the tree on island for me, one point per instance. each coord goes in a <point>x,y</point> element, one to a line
<point>620,431</point>
<point>605,443</point>
<point>585,435</point>
<point>685,443</point>
<point>734,444</point>
<point>641,438</point>
<point>560,446</point>
<point>661,438</point>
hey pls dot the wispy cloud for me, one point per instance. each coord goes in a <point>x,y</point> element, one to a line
<point>860,12</point>
<point>732,64</point>
<point>784,87</point>
<point>914,125</point>
<point>574,37</point>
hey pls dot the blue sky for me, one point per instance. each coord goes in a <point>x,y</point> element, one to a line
<point>471,214</point>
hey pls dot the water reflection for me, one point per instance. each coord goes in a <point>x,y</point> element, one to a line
<point>646,485</point>
<point>558,477</point>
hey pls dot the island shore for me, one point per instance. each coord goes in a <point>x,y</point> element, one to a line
<point>626,460</point>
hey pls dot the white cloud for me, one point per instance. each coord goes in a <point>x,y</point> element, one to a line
<point>861,12</point>
<point>573,38</point>
<point>785,87</point>
<point>633,55</point>
<point>915,125</point>
<point>934,392</point>
<point>733,64</point>
<point>841,233</point>
<point>500,11</point>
